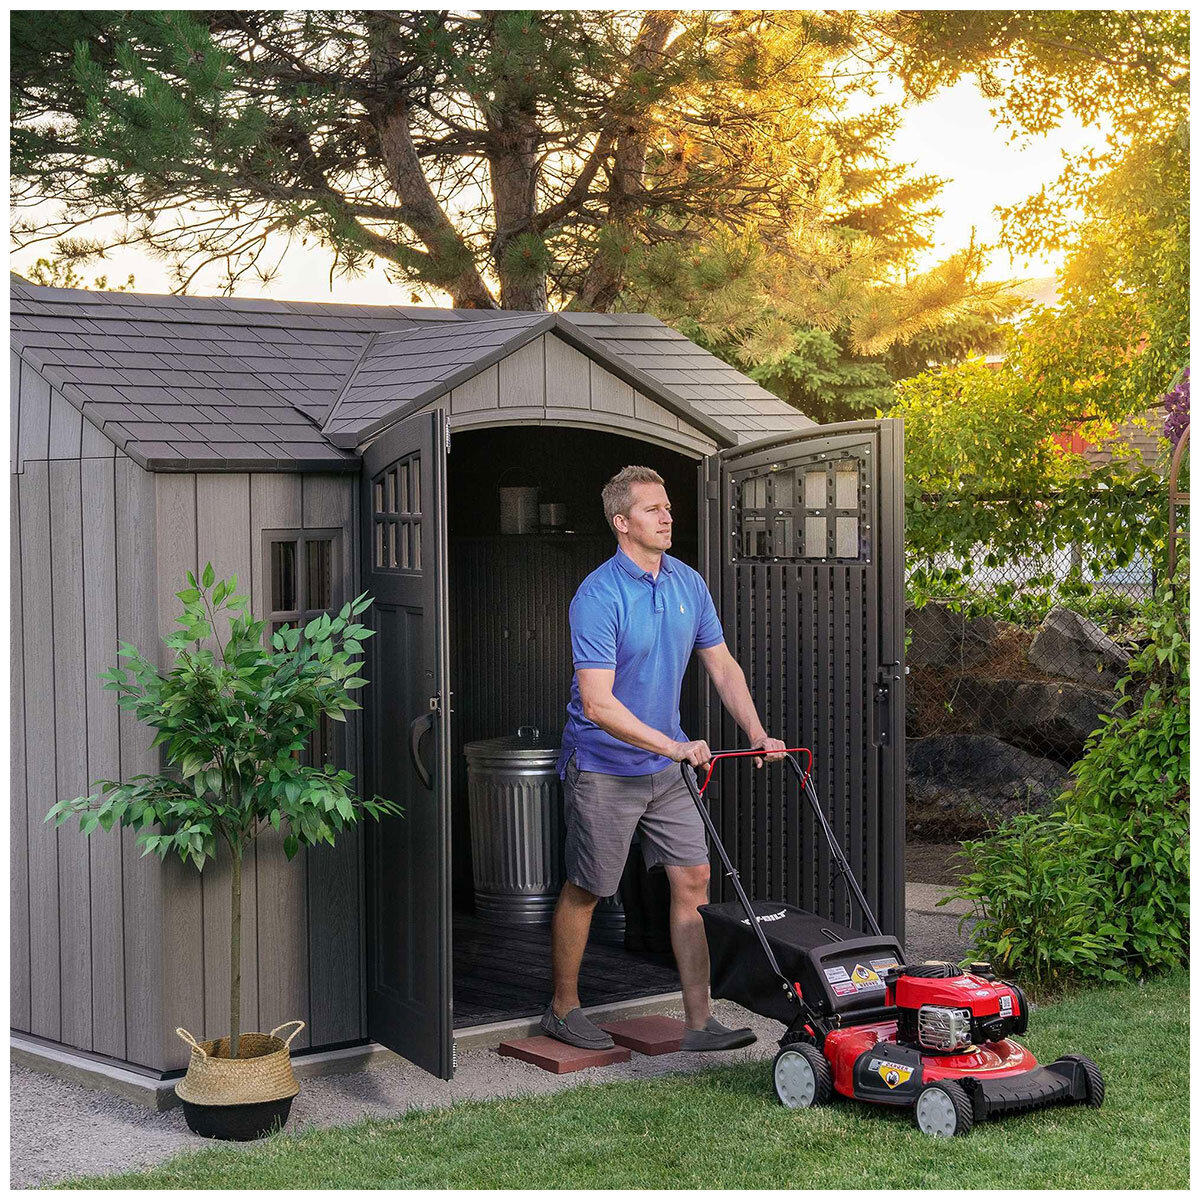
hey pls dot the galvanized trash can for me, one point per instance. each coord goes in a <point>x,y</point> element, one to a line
<point>517,832</point>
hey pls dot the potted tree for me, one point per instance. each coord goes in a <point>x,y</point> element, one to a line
<point>234,719</point>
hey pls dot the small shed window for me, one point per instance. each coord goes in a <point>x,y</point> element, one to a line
<point>303,569</point>
<point>815,508</point>
<point>396,516</point>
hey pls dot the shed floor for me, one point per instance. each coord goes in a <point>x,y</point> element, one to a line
<point>503,971</point>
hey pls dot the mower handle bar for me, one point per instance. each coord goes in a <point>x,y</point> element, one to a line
<point>806,785</point>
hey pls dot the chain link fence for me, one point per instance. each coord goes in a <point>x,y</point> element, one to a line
<point>1010,667</point>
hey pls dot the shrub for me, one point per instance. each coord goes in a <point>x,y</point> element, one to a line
<point>1099,886</point>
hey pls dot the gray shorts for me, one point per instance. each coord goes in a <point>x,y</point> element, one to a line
<point>602,811</point>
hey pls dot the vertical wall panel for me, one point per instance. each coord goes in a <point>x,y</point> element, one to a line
<point>66,427</point>
<point>18,879</point>
<point>34,444</point>
<point>568,384</point>
<point>183,983</point>
<point>223,538</point>
<point>482,392</point>
<point>334,872</point>
<point>14,410</point>
<point>276,503</point>
<point>610,394</point>
<point>45,1017</point>
<point>99,580</point>
<point>523,377</point>
<point>142,888</point>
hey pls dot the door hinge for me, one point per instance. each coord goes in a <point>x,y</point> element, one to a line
<point>712,490</point>
<point>446,417</point>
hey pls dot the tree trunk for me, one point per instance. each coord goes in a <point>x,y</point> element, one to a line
<point>235,955</point>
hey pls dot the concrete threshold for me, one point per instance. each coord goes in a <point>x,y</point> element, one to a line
<point>159,1094</point>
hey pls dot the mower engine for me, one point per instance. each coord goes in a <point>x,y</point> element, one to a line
<point>943,1009</point>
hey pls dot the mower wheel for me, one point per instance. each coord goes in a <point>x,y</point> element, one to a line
<point>802,1076</point>
<point>944,1109</point>
<point>1095,1081</point>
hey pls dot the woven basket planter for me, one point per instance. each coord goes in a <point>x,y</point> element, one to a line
<point>238,1099</point>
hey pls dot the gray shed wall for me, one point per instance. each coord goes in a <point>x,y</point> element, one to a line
<point>301,920</point>
<point>85,913</point>
<point>111,951</point>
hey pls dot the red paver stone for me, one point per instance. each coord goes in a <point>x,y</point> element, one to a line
<point>559,1058</point>
<point>647,1035</point>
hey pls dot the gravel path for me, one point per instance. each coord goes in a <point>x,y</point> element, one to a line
<point>61,1130</point>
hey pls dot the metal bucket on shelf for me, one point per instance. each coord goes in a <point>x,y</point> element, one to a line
<point>518,833</point>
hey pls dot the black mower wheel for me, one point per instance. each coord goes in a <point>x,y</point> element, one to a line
<point>1091,1072</point>
<point>944,1109</point>
<point>802,1076</point>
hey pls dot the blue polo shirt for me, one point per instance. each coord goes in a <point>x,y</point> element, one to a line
<point>644,629</point>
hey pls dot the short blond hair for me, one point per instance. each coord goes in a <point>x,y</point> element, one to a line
<point>618,491</point>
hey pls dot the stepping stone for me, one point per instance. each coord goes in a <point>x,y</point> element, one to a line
<point>558,1058</point>
<point>647,1035</point>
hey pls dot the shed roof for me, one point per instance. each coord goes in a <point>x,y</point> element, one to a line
<point>216,383</point>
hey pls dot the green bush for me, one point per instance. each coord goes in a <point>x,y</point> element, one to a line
<point>1099,886</point>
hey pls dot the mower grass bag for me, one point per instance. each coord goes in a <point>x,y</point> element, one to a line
<point>836,969</point>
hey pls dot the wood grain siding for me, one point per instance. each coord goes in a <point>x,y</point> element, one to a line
<point>99,580</point>
<point>276,502</point>
<point>223,538</point>
<point>18,878</point>
<point>548,382</point>
<point>45,1017</point>
<point>142,876</point>
<point>14,411</point>
<point>66,427</point>
<point>70,726</point>
<point>523,376</point>
<point>568,376</point>
<point>335,872</point>
<point>183,900</point>
<point>482,392</point>
<point>34,432</point>
<point>610,394</point>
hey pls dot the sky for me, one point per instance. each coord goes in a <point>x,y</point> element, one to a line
<point>952,135</point>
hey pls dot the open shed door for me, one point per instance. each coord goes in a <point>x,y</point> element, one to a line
<point>407,742</point>
<point>804,554</point>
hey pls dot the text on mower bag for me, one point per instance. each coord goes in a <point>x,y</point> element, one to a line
<point>768,917</point>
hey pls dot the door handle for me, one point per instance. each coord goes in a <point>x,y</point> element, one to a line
<point>416,731</point>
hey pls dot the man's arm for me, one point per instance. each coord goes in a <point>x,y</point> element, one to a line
<point>730,681</point>
<point>604,709</point>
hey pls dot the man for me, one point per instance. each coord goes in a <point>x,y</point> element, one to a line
<point>635,621</point>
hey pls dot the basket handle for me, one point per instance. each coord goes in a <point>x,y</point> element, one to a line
<point>191,1041</point>
<point>288,1040</point>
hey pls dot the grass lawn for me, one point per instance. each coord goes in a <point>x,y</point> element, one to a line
<point>724,1129</point>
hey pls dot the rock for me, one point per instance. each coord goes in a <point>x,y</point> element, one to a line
<point>1048,717</point>
<point>942,637</point>
<point>961,785</point>
<point>1069,645</point>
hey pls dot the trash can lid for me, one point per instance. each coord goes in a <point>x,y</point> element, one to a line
<point>528,741</point>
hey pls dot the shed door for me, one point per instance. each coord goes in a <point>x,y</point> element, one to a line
<point>804,555</point>
<point>407,742</point>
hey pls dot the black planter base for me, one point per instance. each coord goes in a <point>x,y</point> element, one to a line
<point>237,1122</point>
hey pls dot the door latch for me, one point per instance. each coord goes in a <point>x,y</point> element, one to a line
<point>888,672</point>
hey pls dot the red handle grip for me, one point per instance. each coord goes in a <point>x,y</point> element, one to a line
<point>760,753</point>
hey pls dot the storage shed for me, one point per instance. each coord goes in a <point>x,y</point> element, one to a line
<point>320,450</point>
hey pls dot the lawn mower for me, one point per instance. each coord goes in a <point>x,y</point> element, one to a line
<point>863,1022</point>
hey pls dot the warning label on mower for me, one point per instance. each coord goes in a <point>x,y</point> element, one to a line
<point>859,979</point>
<point>893,1074</point>
<point>884,964</point>
<point>1006,1006</point>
